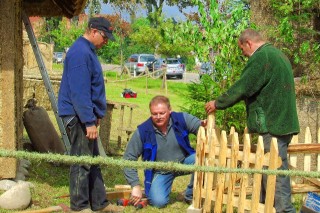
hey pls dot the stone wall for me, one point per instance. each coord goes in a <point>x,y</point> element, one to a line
<point>34,87</point>
<point>30,66</point>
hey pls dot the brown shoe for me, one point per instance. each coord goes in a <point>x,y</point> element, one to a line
<point>82,211</point>
<point>112,209</point>
<point>181,198</point>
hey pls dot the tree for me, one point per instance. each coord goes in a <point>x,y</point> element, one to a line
<point>213,35</point>
<point>298,34</point>
<point>130,6</point>
<point>94,7</point>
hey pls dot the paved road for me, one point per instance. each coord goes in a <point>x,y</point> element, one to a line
<point>188,77</point>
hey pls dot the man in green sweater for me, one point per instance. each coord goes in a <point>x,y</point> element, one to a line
<point>267,87</point>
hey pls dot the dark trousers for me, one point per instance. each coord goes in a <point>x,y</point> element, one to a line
<point>282,200</point>
<point>87,188</point>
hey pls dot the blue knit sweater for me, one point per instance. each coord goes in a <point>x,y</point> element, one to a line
<point>82,90</point>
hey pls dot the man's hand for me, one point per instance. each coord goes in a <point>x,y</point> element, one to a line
<point>136,195</point>
<point>210,106</point>
<point>92,132</point>
<point>204,123</point>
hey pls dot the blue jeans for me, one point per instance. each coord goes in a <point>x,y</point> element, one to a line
<point>162,183</point>
<point>282,199</point>
<point>86,184</point>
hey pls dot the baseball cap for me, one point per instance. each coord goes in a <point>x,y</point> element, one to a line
<point>101,23</point>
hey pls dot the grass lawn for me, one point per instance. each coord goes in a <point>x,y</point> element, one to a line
<point>51,181</point>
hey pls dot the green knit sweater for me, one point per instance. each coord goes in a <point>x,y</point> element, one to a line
<point>267,87</point>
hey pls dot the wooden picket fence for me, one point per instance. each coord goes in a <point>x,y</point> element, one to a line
<point>304,155</point>
<point>212,190</point>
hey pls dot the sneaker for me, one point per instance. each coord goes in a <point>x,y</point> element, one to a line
<point>112,209</point>
<point>82,211</point>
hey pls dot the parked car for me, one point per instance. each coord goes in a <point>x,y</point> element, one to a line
<point>157,65</point>
<point>206,69</point>
<point>137,63</point>
<point>58,57</point>
<point>174,68</point>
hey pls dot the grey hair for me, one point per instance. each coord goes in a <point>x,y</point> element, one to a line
<point>160,99</point>
<point>250,34</point>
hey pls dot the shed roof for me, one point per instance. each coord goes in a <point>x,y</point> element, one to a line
<point>50,8</point>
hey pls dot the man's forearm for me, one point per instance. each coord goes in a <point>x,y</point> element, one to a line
<point>132,177</point>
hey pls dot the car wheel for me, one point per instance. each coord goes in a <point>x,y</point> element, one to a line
<point>180,76</point>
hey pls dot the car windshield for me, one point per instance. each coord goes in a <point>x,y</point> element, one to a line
<point>146,58</point>
<point>173,61</point>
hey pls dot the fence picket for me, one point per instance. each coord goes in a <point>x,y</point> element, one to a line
<point>233,176</point>
<point>244,177</point>
<point>210,175</point>
<point>198,176</point>
<point>257,177</point>
<point>271,181</point>
<point>221,176</point>
<point>307,157</point>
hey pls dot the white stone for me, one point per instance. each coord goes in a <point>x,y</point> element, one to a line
<point>18,197</point>
<point>7,184</point>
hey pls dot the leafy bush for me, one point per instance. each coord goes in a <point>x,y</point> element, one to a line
<point>207,90</point>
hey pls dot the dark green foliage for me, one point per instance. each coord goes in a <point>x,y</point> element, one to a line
<point>207,90</point>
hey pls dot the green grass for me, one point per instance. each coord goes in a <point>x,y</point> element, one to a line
<point>51,181</point>
<point>57,67</point>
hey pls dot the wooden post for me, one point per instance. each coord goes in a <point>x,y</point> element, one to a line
<point>147,75</point>
<point>120,125</point>
<point>11,83</point>
<point>105,127</point>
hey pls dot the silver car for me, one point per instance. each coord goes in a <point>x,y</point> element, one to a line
<point>58,57</point>
<point>174,68</point>
<point>137,63</point>
<point>206,69</point>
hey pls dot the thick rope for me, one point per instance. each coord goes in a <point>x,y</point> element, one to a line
<point>166,166</point>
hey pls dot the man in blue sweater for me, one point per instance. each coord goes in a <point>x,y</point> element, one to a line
<point>82,104</point>
<point>163,137</point>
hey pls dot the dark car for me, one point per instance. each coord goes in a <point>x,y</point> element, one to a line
<point>157,66</point>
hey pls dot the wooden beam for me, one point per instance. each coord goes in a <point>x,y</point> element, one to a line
<point>304,148</point>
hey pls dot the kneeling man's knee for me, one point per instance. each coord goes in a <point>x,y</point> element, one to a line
<point>158,202</point>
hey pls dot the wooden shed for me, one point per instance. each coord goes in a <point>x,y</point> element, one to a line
<point>11,66</point>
